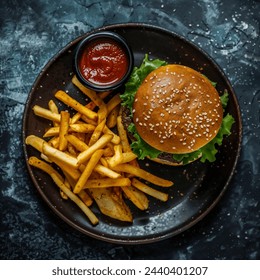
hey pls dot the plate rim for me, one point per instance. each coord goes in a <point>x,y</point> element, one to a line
<point>139,239</point>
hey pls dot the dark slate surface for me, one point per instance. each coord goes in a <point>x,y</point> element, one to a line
<point>33,31</point>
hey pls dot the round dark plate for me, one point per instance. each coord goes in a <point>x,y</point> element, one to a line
<point>197,186</point>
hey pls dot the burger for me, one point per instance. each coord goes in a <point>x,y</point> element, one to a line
<point>173,114</point>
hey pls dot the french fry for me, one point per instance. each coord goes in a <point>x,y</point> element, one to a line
<point>101,143</point>
<point>102,113</point>
<point>141,173</point>
<point>115,139</point>
<point>53,131</point>
<point>85,197</point>
<point>88,120</point>
<point>107,172</point>
<point>53,108</point>
<point>91,105</point>
<point>148,190</point>
<point>128,157</point>
<point>103,161</point>
<point>60,183</point>
<point>34,161</point>
<point>97,132</point>
<point>66,99</point>
<point>109,150</point>
<point>62,194</point>
<point>138,198</point>
<point>75,118</point>
<point>59,155</point>
<point>94,159</point>
<point>72,150</point>
<point>92,95</point>
<point>117,158</point>
<point>54,142</point>
<point>107,182</point>
<point>112,117</point>
<point>77,143</point>
<point>82,127</point>
<point>43,156</point>
<point>125,144</point>
<point>123,135</point>
<point>46,114</point>
<point>93,175</point>
<point>35,142</point>
<point>64,127</point>
<point>113,103</point>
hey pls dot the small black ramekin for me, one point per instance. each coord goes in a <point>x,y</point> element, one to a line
<point>112,36</point>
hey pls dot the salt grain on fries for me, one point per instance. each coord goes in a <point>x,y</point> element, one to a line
<point>95,163</point>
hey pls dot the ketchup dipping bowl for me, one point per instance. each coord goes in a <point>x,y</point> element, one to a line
<point>103,61</point>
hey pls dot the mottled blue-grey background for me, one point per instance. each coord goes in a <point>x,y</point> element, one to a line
<point>32,31</point>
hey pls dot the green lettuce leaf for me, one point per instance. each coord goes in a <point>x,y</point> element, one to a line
<point>209,151</point>
<point>140,147</point>
<point>136,79</point>
<point>224,99</point>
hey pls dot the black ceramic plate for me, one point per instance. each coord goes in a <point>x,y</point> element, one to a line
<point>197,186</point>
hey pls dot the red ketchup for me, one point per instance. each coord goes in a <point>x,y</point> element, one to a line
<point>103,62</point>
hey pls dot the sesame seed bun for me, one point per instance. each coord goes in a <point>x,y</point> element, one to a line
<point>177,110</point>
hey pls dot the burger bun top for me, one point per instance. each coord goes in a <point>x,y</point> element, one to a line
<point>177,109</point>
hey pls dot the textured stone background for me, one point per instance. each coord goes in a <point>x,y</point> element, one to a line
<point>33,31</point>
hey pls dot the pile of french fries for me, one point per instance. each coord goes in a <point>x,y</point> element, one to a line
<point>94,159</point>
